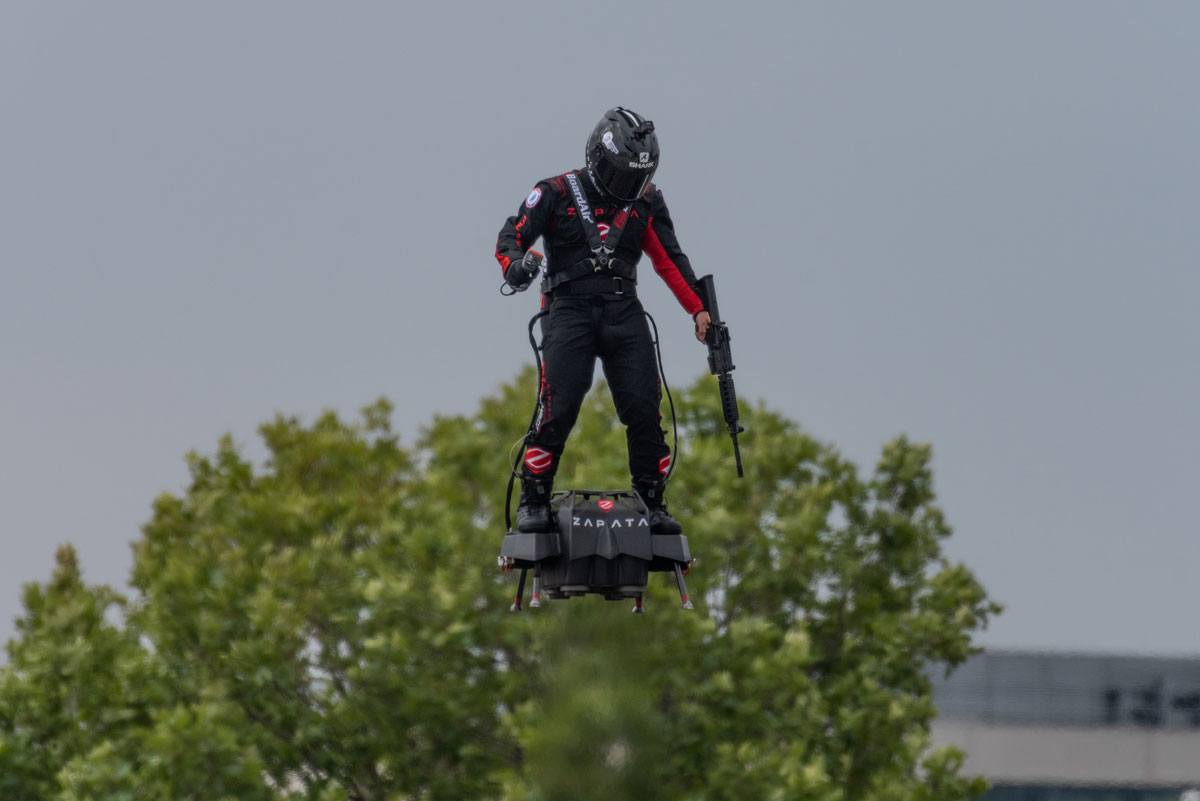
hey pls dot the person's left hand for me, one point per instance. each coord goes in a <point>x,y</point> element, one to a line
<point>703,321</point>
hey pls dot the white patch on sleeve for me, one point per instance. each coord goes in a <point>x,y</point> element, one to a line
<point>534,197</point>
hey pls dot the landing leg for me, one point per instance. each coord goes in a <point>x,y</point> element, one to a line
<point>683,593</point>
<point>638,608</point>
<point>535,599</point>
<point>516,606</point>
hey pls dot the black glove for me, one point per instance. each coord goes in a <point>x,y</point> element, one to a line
<point>521,273</point>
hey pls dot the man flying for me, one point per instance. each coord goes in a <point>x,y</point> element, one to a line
<point>595,224</point>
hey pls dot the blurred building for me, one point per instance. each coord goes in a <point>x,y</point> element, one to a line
<point>1075,727</point>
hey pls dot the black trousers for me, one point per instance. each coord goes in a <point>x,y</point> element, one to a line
<point>577,330</point>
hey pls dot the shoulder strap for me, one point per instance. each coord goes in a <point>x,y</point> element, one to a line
<point>584,209</point>
<point>602,247</point>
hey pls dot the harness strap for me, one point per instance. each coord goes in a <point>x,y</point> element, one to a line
<point>600,246</point>
<point>611,286</point>
<point>590,229</point>
<point>586,267</point>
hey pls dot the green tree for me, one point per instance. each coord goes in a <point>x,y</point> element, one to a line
<point>326,626</point>
<point>64,686</point>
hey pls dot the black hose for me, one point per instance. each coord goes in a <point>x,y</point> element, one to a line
<point>537,407</point>
<point>670,401</point>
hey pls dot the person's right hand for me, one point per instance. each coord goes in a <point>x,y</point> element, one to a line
<point>516,276</point>
<point>521,273</point>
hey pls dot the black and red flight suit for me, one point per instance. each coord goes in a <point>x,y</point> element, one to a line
<point>598,315</point>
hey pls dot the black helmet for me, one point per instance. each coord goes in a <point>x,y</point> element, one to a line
<point>622,154</point>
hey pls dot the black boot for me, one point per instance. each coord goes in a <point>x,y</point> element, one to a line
<point>660,519</point>
<point>533,512</point>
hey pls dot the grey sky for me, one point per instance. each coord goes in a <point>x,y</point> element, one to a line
<point>973,223</point>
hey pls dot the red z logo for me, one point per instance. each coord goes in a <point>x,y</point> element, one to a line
<point>538,460</point>
<point>605,505</point>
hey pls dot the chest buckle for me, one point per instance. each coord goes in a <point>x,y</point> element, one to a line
<point>602,258</point>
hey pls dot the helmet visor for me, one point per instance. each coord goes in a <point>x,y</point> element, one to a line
<point>624,184</point>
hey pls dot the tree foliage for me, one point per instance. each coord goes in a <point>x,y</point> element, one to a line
<point>328,626</point>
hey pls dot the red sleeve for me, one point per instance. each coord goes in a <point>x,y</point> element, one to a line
<point>669,262</point>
